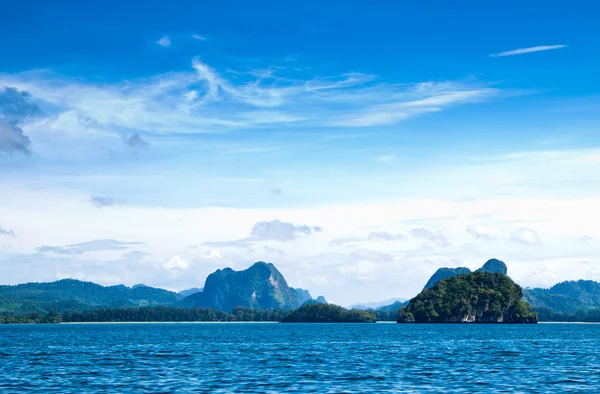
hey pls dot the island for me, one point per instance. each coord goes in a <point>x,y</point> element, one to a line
<point>477,297</point>
<point>328,313</point>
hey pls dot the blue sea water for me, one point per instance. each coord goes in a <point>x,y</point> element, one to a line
<point>192,358</point>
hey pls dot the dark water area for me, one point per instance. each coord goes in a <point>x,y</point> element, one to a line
<point>192,358</point>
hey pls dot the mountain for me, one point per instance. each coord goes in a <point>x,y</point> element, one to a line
<point>321,300</point>
<point>303,295</point>
<point>189,292</point>
<point>376,305</point>
<point>260,287</point>
<point>72,294</point>
<point>494,266</point>
<point>477,297</point>
<point>444,273</point>
<point>566,297</point>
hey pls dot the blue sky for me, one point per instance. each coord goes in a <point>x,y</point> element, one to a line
<point>276,111</point>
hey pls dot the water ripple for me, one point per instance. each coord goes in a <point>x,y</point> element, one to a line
<point>273,358</point>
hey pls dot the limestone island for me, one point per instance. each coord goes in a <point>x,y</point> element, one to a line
<point>477,297</point>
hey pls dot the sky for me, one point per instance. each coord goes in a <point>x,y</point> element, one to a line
<point>358,146</point>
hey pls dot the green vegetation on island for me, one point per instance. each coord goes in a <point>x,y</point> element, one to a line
<point>478,297</point>
<point>71,294</point>
<point>261,293</point>
<point>567,298</point>
<point>328,313</point>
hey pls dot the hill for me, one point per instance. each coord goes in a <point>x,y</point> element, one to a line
<point>444,273</point>
<point>495,266</point>
<point>72,294</point>
<point>259,287</point>
<point>478,297</point>
<point>328,313</point>
<point>492,265</point>
<point>566,297</point>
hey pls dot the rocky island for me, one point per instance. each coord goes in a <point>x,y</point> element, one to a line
<point>477,297</point>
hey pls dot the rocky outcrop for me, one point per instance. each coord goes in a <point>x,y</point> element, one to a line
<point>478,297</point>
<point>259,287</point>
<point>494,266</point>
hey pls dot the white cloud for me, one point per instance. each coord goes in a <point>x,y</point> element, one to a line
<point>164,42</point>
<point>383,269</point>
<point>521,235</point>
<point>428,98</point>
<point>525,236</point>
<point>437,238</point>
<point>522,51</point>
<point>175,263</point>
<point>198,37</point>
<point>213,254</point>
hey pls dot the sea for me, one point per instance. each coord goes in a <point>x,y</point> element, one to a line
<point>302,358</point>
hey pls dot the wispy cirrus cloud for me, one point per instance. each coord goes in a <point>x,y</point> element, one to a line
<point>204,100</point>
<point>522,51</point>
<point>90,246</point>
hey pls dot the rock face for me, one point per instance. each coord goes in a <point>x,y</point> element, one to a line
<point>260,287</point>
<point>444,273</point>
<point>478,297</point>
<point>495,266</point>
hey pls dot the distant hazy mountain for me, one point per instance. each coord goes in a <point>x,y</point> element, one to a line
<point>321,299</point>
<point>492,265</point>
<point>261,287</point>
<point>393,307</point>
<point>71,294</point>
<point>189,292</point>
<point>303,295</point>
<point>566,297</point>
<point>376,305</point>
